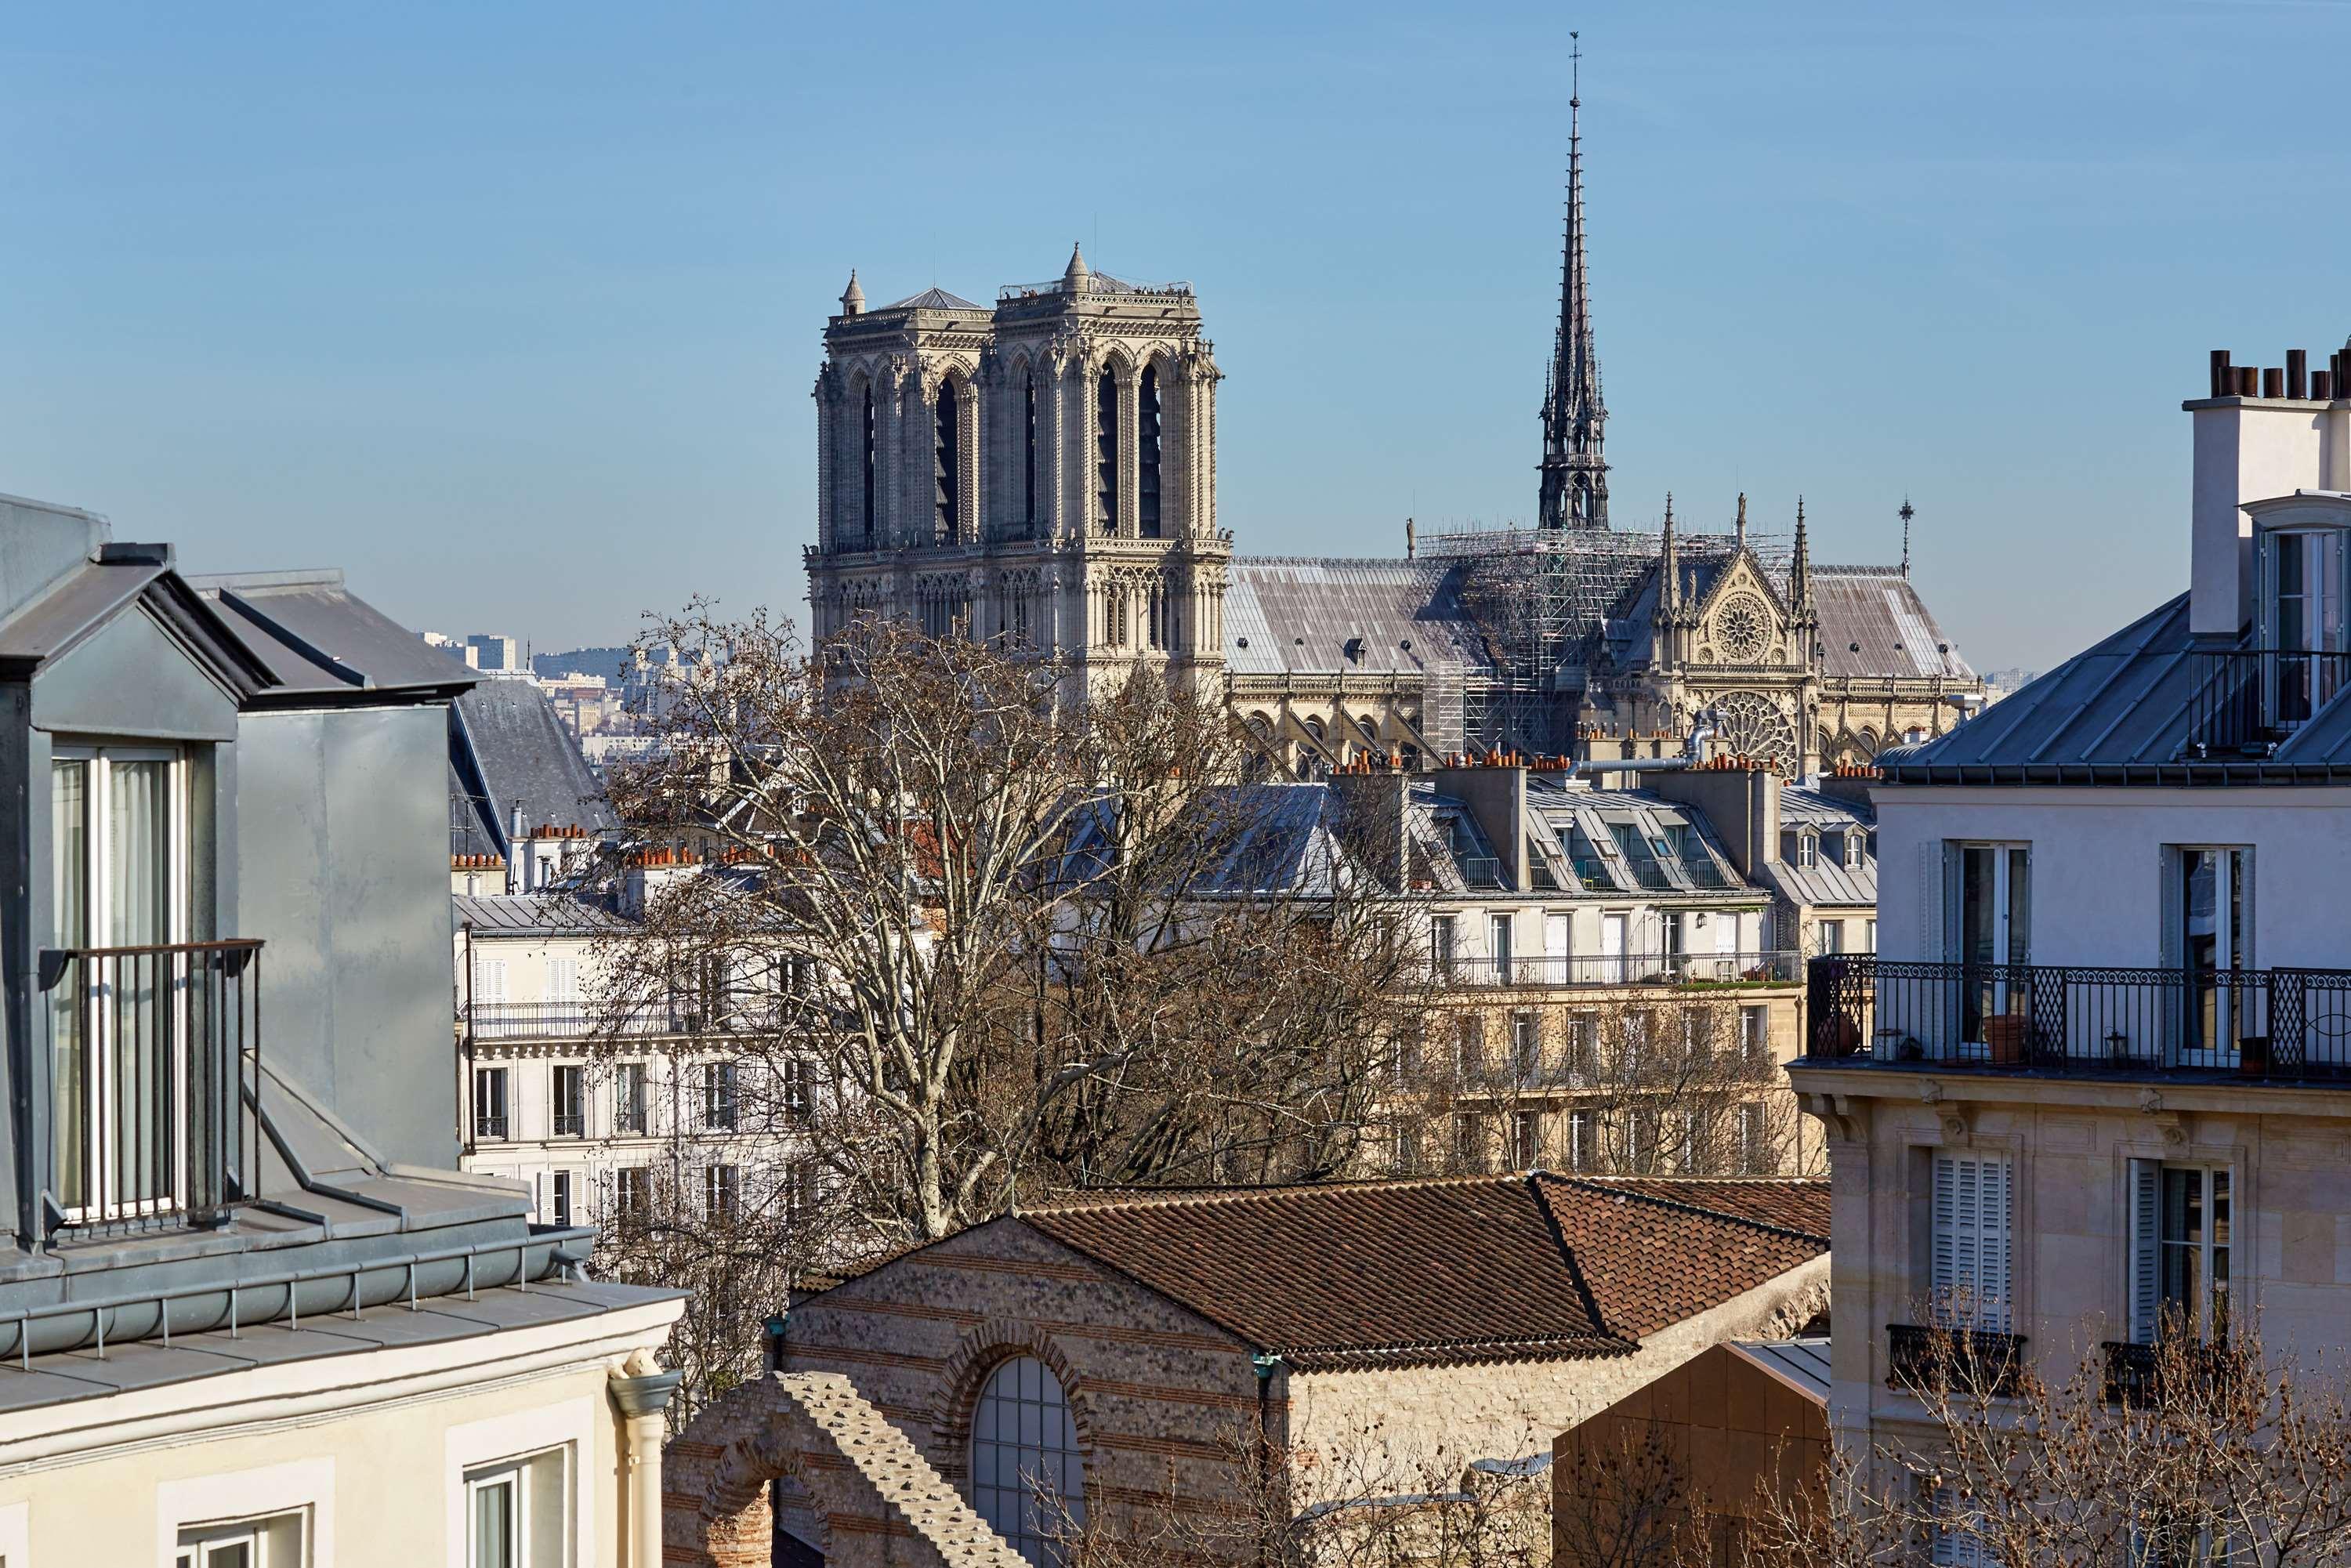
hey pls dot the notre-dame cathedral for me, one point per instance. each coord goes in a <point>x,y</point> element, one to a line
<point>1043,471</point>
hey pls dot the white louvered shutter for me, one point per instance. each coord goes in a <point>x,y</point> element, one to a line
<point>2145,1250</point>
<point>1972,1241</point>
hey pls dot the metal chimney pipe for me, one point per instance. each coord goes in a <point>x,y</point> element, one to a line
<point>2249,380</point>
<point>2297,373</point>
<point>2322,386</point>
<point>2272,381</point>
<point>2224,380</point>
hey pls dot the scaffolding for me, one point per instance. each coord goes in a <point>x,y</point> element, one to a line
<point>1546,602</point>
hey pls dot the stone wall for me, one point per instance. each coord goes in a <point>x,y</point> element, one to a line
<point>869,1499</point>
<point>1507,1410</point>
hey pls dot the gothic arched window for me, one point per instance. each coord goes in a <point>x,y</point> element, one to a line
<point>945,470</point>
<point>1028,452</point>
<point>867,498</point>
<point>1146,455</point>
<point>1106,453</point>
<point>1027,1467</point>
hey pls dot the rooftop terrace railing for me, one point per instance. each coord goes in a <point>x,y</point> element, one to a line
<point>2256,1023</point>
<point>2246,701</point>
<point>155,1056</point>
<point>577,1021</point>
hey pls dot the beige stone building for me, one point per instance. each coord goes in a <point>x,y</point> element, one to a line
<point>1134,1350</point>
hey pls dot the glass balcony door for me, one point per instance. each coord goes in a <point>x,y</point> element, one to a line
<point>1995,901</point>
<point>2214,927</point>
<point>118,1041</point>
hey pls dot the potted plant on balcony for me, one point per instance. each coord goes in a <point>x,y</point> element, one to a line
<point>2253,1056</point>
<point>2006,1035</point>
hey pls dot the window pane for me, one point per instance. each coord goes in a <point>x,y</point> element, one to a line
<point>1025,1440</point>
<point>69,912</point>
<point>494,1526</point>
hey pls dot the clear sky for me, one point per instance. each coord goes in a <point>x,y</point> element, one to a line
<point>513,311</point>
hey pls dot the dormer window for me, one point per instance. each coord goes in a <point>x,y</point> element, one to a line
<point>1808,851</point>
<point>2302,574</point>
<point>1853,849</point>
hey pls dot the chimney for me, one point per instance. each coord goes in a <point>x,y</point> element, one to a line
<point>2297,378</point>
<point>2249,451</point>
<point>1495,793</point>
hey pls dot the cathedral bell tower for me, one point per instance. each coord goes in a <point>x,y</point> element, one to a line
<point>1041,471</point>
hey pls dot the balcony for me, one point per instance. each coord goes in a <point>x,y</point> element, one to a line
<point>1962,1360</point>
<point>2282,1024</point>
<point>2245,701</point>
<point>2144,1376</point>
<point>1619,969</point>
<point>582,1020</point>
<point>153,1114</point>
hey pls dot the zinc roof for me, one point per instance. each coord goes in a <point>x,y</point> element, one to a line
<point>1873,622</point>
<point>1298,614</point>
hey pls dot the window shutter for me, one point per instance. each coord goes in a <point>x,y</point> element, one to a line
<point>2171,890</point>
<point>1972,1236</point>
<point>2146,1255</point>
<point>1937,882</point>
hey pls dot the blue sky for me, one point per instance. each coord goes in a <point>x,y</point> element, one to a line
<point>513,311</point>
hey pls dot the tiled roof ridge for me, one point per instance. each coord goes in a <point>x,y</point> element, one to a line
<point>1598,1185</point>
<point>1606,1339</point>
<point>1418,564</point>
<point>1170,1196</point>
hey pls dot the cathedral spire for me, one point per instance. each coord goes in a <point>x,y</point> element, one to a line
<point>1575,476</point>
<point>1905,514</point>
<point>1669,589</point>
<point>1800,572</point>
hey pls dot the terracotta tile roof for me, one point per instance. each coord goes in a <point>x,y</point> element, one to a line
<point>1449,1270</point>
<point>1652,1252</point>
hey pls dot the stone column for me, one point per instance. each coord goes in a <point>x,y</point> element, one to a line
<point>640,1392</point>
<point>1129,480</point>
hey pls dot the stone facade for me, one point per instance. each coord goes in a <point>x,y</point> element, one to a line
<point>1042,472</point>
<point>856,1490</point>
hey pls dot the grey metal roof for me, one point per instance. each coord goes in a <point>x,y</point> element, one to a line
<point>1286,614</point>
<point>932,298</point>
<point>318,637</point>
<point>1802,1363</point>
<point>507,747</point>
<point>1873,622</point>
<point>535,915</point>
<point>1831,883</point>
<point>68,1377</point>
<point>2116,713</point>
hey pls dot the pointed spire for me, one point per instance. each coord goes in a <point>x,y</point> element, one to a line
<point>1669,591</point>
<point>1742,519</point>
<point>1575,474</point>
<point>1076,274</point>
<point>1800,572</point>
<point>1905,514</point>
<point>852,299</point>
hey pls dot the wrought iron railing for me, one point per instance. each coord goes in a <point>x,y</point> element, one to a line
<point>2245,700</point>
<point>2146,1375</point>
<point>586,1020</point>
<point>2258,1023</point>
<point>1556,970</point>
<point>1923,1356</point>
<point>155,1056</point>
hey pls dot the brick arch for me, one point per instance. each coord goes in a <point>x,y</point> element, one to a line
<point>881,1505</point>
<point>982,1349</point>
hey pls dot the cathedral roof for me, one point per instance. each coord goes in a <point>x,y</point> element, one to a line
<point>1287,614</point>
<point>934,298</point>
<point>1873,622</point>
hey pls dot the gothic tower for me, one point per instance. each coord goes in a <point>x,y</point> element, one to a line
<point>1575,474</point>
<point>1042,472</point>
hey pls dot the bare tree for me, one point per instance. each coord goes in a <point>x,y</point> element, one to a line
<point>1614,1083</point>
<point>995,939</point>
<point>2194,1451</point>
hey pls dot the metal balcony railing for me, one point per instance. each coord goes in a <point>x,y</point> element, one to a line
<point>581,1021</point>
<point>2144,1374</point>
<point>2257,1023</point>
<point>156,1054</point>
<point>1921,1356</point>
<point>2245,700</point>
<point>1621,970</point>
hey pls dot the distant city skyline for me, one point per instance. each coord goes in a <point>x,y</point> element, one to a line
<point>410,294</point>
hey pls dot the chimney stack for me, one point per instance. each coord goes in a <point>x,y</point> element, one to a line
<point>2297,376</point>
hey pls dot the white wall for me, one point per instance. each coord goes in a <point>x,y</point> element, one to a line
<point>2097,866</point>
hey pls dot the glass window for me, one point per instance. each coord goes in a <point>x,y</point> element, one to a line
<point>1581,1133</point>
<point>629,1099</point>
<point>118,880</point>
<point>719,1101</point>
<point>279,1540</point>
<point>571,1091</point>
<point>516,1514</point>
<point>490,1103</point>
<point>722,1191</point>
<point>1440,946</point>
<point>1027,1467</point>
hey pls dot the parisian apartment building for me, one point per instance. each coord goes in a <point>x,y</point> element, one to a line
<point>2090,1088</point>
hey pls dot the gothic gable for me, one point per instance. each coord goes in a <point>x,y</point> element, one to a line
<point>1742,618</point>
